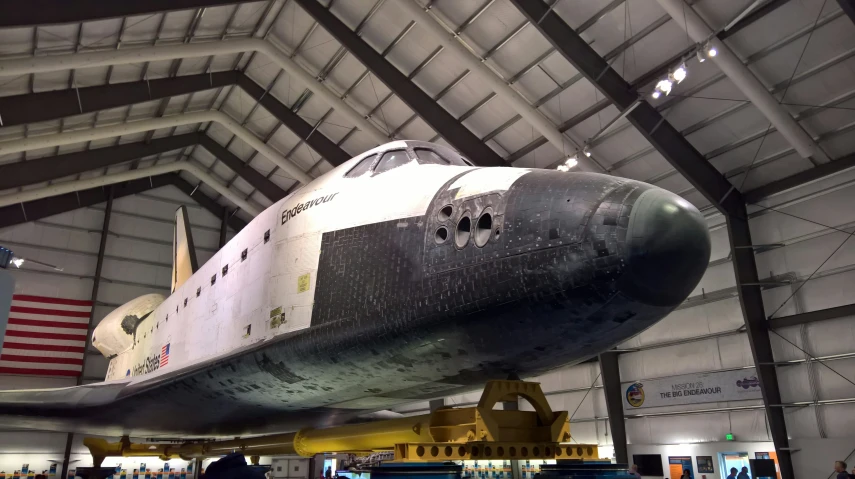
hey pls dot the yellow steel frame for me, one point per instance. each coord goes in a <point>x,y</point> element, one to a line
<point>446,434</point>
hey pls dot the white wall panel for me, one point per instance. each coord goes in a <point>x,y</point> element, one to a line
<point>746,425</point>
<point>705,355</point>
<point>716,278</point>
<point>829,291</point>
<point>573,377</point>
<point>701,320</point>
<point>802,422</point>
<point>825,338</point>
<point>840,421</point>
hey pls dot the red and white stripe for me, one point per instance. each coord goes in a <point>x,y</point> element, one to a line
<point>45,336</point>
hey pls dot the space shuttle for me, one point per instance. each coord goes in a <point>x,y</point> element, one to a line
<point>404,274</point>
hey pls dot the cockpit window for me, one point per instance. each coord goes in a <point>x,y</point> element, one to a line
<point>430,157</point>
<point>440,156</point>
<point>362,167</point>
<point>392,159</point>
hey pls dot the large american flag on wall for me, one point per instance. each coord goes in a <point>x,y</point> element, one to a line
<point>45,336</point>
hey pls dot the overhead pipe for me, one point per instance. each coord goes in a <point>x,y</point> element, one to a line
<point>121,129</point>
<point>57,189</point>
<point>727,61</point>
<point>450,41</point>
<point>74,61</point>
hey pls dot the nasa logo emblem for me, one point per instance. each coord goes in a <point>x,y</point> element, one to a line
<point>635,395</point>
<point>747,383</point>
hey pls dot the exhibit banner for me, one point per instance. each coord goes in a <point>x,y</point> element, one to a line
<point>692,389</point>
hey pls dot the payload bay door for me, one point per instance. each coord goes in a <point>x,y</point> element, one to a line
<point>293,282</point>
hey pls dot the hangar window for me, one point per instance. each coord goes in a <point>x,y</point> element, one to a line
<point>362,167</point>
<point>392,159</point>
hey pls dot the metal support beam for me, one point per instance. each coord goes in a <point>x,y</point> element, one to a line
<point>22,173</point>
<point>799,179</point>
<point>206,202</point>
<point>752,17</point>
<point>610,371</point>
<point>812,316</point>
<point>848,7</point>
<point>48,12</point>
<point>320,143</point>
<point>96,282</point>
<point>756,325</point>
<point>13,175</point>
<point>59,104</point>
<point>35,210</point>
<point>431,112</point>
<point>248,173</point>
<point>731,65</point>
<point>39,209</point>
<point>649,122</point>
<point>224,224</point>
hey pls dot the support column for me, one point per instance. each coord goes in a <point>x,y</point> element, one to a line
<point>756,325</point>
<point>610,369</point>
<point>96,282</point>
<point>197,468</point>
<point>848,7</point>
<point>224,227</point>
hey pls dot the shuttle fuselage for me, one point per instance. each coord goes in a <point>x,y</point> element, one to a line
<point>388,280</point>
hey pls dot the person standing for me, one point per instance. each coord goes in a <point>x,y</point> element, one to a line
<point>686,474</point>
<point>328,472</point>
<point>743,474</point>
<point>840,469</point>
<point>733,472</point>
<point>633,471</point>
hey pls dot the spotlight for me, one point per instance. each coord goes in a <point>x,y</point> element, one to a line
<point>710,50</point>
<point>701,57</point>
<point>571,161</point>
<point>563,168</point>
<point>664,86</point>
<point>655,94</point>
<point>586,151</point>
<point>18,261</point>
<point>679,74</point>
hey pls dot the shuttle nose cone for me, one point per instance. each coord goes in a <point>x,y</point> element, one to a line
<point>668,249</point>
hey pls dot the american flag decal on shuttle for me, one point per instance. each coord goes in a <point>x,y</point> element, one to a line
<point>45,336</point>
<point>164,355</point>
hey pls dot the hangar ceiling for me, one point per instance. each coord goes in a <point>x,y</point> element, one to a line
<point>800,50</point>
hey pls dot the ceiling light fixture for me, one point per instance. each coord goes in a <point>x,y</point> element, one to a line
<point>679,74</point>
<point>571,161</point>
<point>701,57</point>
<point>586,151</point>
<point>655,94</point>
<point>710,50</point>
<point>664,86</point>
